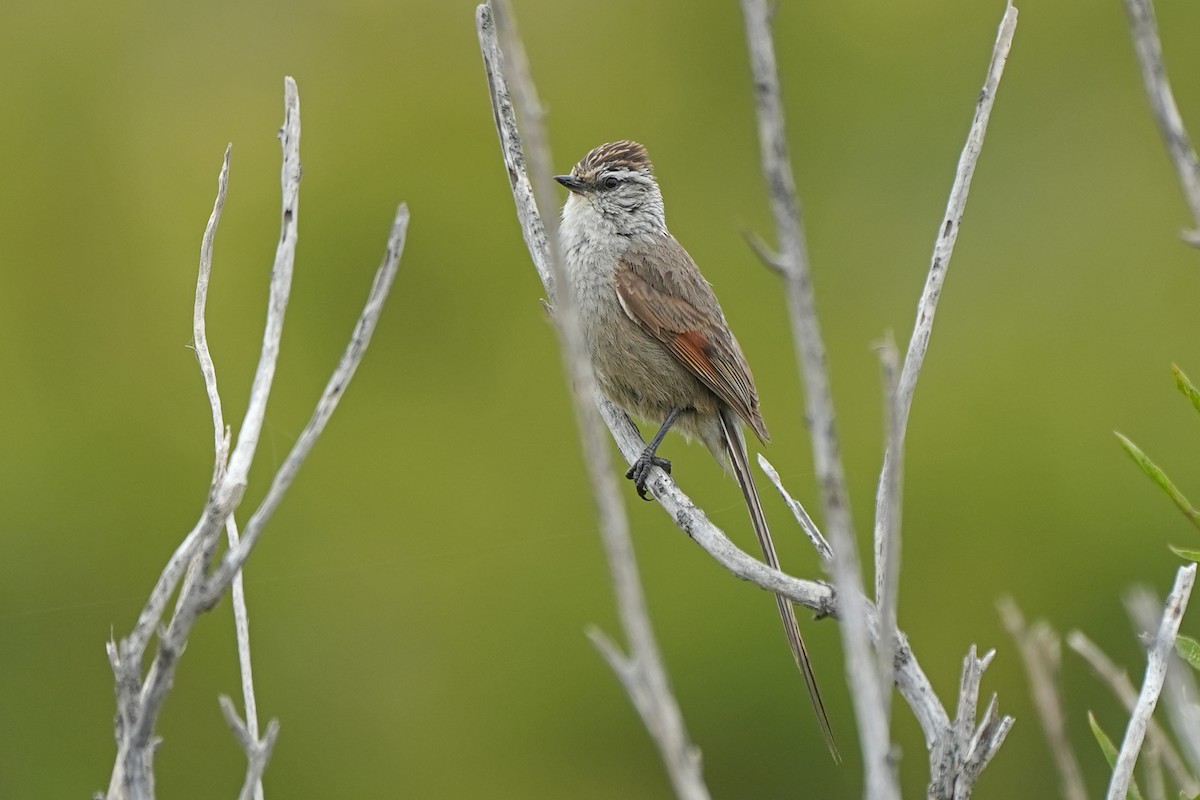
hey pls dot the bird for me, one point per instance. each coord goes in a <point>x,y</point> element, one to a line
<point>660,346</point>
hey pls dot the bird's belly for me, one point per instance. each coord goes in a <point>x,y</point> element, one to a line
<point>636,372</point>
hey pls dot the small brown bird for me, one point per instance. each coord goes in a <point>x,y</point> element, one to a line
<point>659,343</point>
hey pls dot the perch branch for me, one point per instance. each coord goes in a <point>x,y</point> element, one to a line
<point>642,672</point>
<point>1144,28</point>
<point>911,680</point>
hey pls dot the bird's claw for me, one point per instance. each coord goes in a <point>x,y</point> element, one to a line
<point>639,473</point>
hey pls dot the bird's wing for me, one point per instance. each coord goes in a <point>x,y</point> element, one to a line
<point>652,282</point>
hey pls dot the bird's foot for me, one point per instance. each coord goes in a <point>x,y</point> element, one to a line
<point>639,473</point>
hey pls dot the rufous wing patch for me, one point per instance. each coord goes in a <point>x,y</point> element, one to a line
<point>692,340</point>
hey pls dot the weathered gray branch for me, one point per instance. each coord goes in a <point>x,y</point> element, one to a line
<point>1118,681</point>
<point>1162,102</point>
<point>1161,651</point>
<point>962,751</point>
<point>888,589</point>
<point>798,511</point>
<point>943,249</point>
<point>139,699</point>
<point>258,751</point>
<point>791,260</point>
<point>642,672</point>
<point>208,370</point>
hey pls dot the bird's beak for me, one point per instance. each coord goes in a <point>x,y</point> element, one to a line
<point>571,182</point>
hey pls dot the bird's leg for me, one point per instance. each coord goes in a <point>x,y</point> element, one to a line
<point>639,473</point>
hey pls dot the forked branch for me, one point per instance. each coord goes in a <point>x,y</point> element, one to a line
<point>140,697</point>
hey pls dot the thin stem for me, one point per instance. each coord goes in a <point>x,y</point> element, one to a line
<point>1118,681</point>
<point>1144,28</point>
<point>888,589</point>
<point>1160,654</point>
<point>791,260</point>
<point>360,339</point>
<point>943,249</point>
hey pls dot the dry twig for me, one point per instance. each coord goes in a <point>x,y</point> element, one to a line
<point>1162,102</point>
<point>140,698</point>
<point>791,261</point>
<point>1118,681</point>
<point>1161,652</point>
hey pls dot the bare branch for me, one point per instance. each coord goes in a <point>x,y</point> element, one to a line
<point>258,751</point>
<point>1040,650</point>
<point>943,249</point>
<point>765,254</point>
<point>1156,672</point>
<point>806,524</point>
<point>241,626</point>
<point>911,680</point>
<point>791,260</point>
<point>957,758</point>
<point>208,371</point>
<point>228,493</point>
<point>642,674</point>
<point>1162,102</point>
<point>861,671</point>
<point>281,286</point>
<point>360,339</point>
<point>887,588</point>
<point>199,336</point>
<point>1118,681</point>
<point>139,701</point>
<point>1183,697</point>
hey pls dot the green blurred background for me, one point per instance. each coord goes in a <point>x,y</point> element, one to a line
<point>419,601</point>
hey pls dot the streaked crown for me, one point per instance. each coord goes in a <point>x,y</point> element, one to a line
<point>614,156</point>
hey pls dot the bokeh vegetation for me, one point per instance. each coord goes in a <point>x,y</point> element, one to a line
<point>417,606</point>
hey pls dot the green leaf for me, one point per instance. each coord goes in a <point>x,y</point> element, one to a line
<point>1110,754</point>
<point>1158,476</point>
<point>1106,745</point>
<point>1183,552</point>
<point>1186,386</point>
<point>1189,650</point>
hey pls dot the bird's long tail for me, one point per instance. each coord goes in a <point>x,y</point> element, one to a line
<point>735,448</point>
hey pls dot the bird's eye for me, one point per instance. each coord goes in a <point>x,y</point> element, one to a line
<point>610,182</point>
